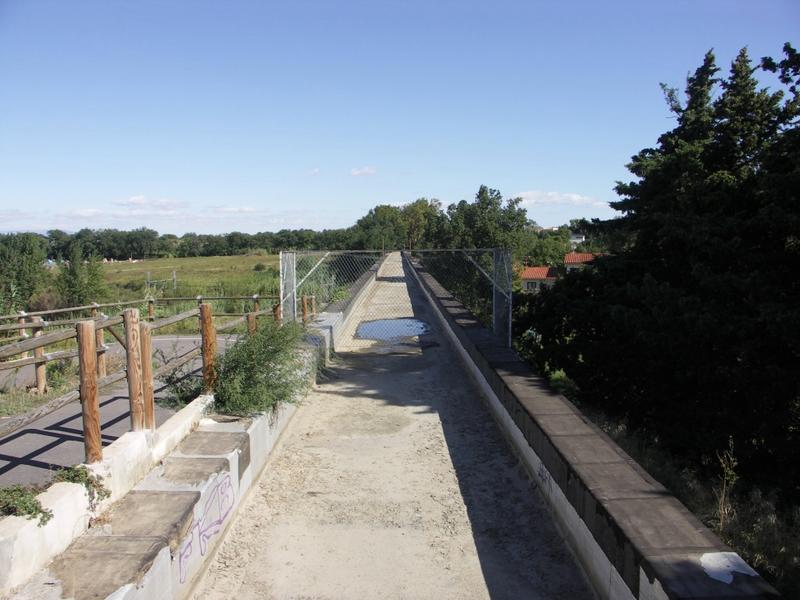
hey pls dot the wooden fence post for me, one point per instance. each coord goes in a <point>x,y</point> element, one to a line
<point>90,402</point>
<point>256,303</point>
<point>23,333</point>
<point>41,367</point>
<point>100,341</point>
<point>276,312</point>
<point>145,339</point>
<point>151,309</point>
<point>305,308</point>
<point>209,346</point>
<point>133,349</point>
<point>251,323</point>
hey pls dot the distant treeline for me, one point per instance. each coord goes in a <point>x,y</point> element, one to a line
<point>489,221</point>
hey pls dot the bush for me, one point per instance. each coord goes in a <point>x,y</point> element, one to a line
<point>259,267</point>
<point>259,371</point>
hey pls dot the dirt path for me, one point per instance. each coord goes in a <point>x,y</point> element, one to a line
<point>393,482</point>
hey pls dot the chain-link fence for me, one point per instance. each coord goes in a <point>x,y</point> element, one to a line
<point>372,291</point>
<point>330,279</point>
<point>479,279</point>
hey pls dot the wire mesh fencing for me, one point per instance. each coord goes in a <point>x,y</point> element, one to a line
<point>480,279</point>
<point>330,279</point>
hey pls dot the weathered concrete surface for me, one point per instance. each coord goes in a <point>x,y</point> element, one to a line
<point>393,482</point>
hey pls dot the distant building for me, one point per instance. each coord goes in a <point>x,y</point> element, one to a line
<point>536,278</point>
<point>575,239</point>
<point>578,260</point>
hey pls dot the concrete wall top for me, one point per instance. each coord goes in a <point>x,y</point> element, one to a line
<point>639,525</point>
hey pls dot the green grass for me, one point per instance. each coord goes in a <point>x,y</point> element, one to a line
<point>203,275</point>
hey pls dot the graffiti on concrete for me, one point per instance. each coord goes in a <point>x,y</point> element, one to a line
<point>218,506</point>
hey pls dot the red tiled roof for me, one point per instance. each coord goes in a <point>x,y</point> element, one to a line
<point>539,273</point>
<point>578,258</point>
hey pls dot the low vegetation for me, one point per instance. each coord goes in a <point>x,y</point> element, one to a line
<point>22,501</point>
<point>259,371</point>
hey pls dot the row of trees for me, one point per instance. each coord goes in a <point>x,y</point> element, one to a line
<point>488,221</point>
<point>690,328</point>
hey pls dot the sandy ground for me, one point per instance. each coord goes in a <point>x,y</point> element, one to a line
<point>393,482</point>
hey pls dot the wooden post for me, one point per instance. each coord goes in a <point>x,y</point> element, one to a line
<point>133,350</point>
<point>23,333</point>
<point>151,309</point>
<point>90,402</point>
<point>256,303</point>
<point>209,346</point>
<point>146,344</point>
<point>251,323</point>
<point>100,342</point>
<point>41,367</point>
<point>276,312</point>
<point>305,308</point>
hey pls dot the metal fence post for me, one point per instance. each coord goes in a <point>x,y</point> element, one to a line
<point>209,346</point>
<point>90,402</point>
<point>133,348</point>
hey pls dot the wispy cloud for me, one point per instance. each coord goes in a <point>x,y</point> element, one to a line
<point>314,171</point>
<point>538,198</point>
<point>362,171</point>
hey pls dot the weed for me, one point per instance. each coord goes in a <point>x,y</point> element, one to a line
<point>82,475</point>
<point>21,501</point>
<point>259,371</point>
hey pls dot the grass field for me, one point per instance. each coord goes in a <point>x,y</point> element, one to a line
<point>208,276</point>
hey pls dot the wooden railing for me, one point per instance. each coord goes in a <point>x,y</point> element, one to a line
<point>136,342</point>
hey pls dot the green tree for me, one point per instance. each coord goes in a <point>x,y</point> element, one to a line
<point>80,280</point>
<point>690,330</point>
<point>22,271</point>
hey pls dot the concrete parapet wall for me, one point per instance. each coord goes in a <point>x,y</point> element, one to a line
<point>25,547</point>
<point>142,463</point>
<point>633,538</point>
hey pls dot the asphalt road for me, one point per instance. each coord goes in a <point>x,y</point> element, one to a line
<point>30,454</point>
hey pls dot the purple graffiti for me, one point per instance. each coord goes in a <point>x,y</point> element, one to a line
<point>218,506</point>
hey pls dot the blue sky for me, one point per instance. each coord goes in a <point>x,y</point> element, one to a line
<point>251,116</point>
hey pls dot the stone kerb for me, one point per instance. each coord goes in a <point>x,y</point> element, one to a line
<point>633,537</point>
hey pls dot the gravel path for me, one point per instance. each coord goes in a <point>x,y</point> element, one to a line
<point>393,482</point>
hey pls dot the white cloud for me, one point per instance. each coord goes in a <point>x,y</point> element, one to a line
<point>314,171</point>
<point>359,171</point>
<point>236,210</point>
<point>145,202</point>
<point>538,198</point>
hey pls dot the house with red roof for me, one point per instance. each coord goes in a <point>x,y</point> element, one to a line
<point>578,260</point>
<point>537,278</point>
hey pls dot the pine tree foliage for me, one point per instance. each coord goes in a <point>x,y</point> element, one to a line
<point>691,328</point>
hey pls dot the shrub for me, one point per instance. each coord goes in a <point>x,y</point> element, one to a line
<point>259,371</point>
<point>259,267</point>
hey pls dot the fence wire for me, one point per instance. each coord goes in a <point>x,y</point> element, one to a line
<point>480,279</point>
<point>331,278</point>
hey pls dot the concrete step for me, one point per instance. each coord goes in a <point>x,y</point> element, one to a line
<point>173,516</point>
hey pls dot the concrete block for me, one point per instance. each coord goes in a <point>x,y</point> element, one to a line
<point>166,515</point>
<point>25,547</point>
<point>94,567</point>
<point>211,443</point>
